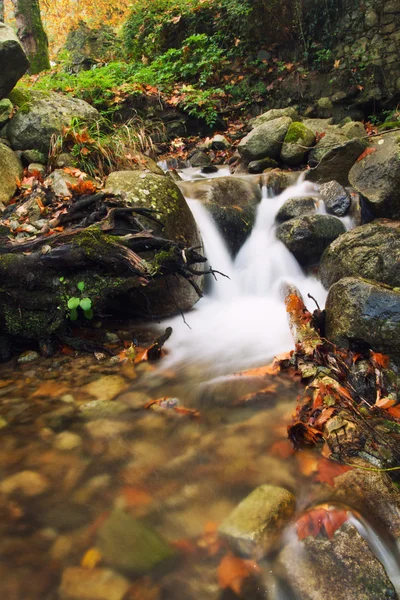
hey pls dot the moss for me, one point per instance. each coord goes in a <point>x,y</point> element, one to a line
<point>297,131</point>
<point>35,41</point>
<point>389,125</point>
<point>95,243</point>
<point>34,324</point>
<point>22,97</point>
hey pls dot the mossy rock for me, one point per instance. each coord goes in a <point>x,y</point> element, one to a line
<point>265,140</point>
<point>296,207</point>
<point>13,61</point>
<point>161,194</point>
<point>370,251</point>
<point>275,113</point>
<point>10,171</point>
<point>43,115</point>
<point>174,221</point>
<point>307,237</point>
<point>362,313</point>
<point>297,143</point>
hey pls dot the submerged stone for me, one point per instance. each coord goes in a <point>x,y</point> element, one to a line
<point>92,584</point>
<point>131,546</point>
<point>256,523</point>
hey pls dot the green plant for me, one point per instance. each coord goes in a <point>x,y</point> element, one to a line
<point>75,302</point>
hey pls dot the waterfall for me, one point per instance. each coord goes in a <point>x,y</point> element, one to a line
<point>242,321</point>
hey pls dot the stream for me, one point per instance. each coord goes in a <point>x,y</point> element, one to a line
<point>78,445</point>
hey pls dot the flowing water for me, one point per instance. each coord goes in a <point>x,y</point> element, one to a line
<point>82,446</point>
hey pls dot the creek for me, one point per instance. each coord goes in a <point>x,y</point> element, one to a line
<point>78,445</point>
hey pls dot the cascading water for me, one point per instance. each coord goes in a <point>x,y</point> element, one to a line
<point>242,322</point>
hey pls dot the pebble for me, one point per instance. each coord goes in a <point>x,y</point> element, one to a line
<point>28,356</point>
<point>135,400</point>
<point>28,483</point>
<point>103,428</point>
<point>67,440</point>
<point>98,409</point>
<point>111,338</point>
<point>92,584</point>
<point>106,388</point>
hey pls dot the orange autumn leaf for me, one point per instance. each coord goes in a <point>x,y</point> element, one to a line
<point>325,415</point>
<point>366,152</point>
<point>385,402</point>
<point>294,304</point>
<point>381,360</point>
<point>328,470</point>
<point>394,411</point>
<point>320,520</point>
<point>282,448</point>
<point>232,571</point>
<point>83,187</point>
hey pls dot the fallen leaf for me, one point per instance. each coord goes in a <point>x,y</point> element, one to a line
<point>302,434</point>
<point>328,470</point>
<point>320,520</point>
<point>50,389</point>
<point>394,411</point>
<point>91,558</point>
<point>366,152</point>
<point>381,360</point>
<point>385,402</point>
<point>232,571</point>
<point>136,497</point>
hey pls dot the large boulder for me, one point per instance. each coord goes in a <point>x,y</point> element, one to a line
<point>296,207</point>
<point>371,251</point>
<point>336,568</point>
<point>232,202</point>
<point>13,61</point>
<point>307,237</point>
<point>10,171</point>
<point>377,177</point>
<point>333,157</point>
<point>297,144</point>
<point>172,220</point>
<point>42,115</point>
<point>336,198</point>
<point>265,140</point>
<point>363,313</point>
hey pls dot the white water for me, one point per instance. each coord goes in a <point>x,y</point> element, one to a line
<point>242,322</point>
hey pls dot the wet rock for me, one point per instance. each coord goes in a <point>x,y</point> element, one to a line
<point>27,483</point>
<point>92,584</point>
<point>10,171</point>
<point>307,237</point>
<point>111,338</point>
<point>232,202</point>
<point>319,126</point>
<point>100,409</point>
<point>60,181</point>
<point>377,177</point>
<point>265,140</point>
<point>135,400</point>
<point>333,157</point>
<point>166,295</point>
<point>360,312</point>
<point>374,495</point>
<point>198,581</point>
<point>256,523</point>
<point>295,207</point>
<point>59,418</point>
<point>297,144</point>
<point>65,516</point>
<point>13,61</point>
<point>131,546</point>
<point>199,159</point>
<point>354,129</point>
<point>45,115</point>
<point>273,114</point>
<point>258,166</point>
<point>34,156</point>
<point>5,110</point>
<point>38,168</point>
<point>336,198</point>
<point>335,569</point>
<point>106,388</point>
<point>219,142</point>
<point>370,251</point>
<point>67,441</point>
<point>106,429</point>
